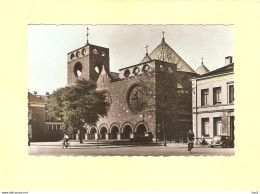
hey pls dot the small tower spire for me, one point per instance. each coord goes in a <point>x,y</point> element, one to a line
<point>146,47</point>
<point>87,36</point>
<point>202,61</point>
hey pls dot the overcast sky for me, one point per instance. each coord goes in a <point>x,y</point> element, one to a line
<point>48,46</point>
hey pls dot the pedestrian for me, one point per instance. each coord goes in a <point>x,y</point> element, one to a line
<point>203,141</point>
<point>190,139</point>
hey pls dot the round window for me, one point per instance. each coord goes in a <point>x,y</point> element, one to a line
<point>136,98</point>
<point>136,70</point>
<point>78,69</point>
<point>127,73</point>
<point>145,68</point>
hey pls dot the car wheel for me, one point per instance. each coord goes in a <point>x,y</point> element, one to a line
<point>211,146</point>
<point>224,145</point>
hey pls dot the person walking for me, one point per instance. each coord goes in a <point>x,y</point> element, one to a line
<point>190,139</point>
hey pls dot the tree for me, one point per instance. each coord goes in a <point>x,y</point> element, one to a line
<point>78,105</point>
<point>170,93</point>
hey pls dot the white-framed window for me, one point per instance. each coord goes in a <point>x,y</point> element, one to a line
<point>218,126</point>
<point>50,127</point>
<point>217,95</point>
<point>205,127</point>
<point>204,97</point>
<point>30,114</point>
<point>58,127</point>
<point>231,94</point>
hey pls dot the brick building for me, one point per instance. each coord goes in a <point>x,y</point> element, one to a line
<point>40,126</point>
<point>132,92</point>
<point>213,102</point>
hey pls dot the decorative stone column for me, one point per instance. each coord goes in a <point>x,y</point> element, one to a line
<point>107,136</point>
<point>118,136</point>
<point>86,136</point>
<point>132,135</point>
<point>96,136</point>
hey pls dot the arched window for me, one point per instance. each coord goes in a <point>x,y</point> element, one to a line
<point>77,69</point>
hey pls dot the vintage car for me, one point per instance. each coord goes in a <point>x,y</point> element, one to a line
<point>223,141</point>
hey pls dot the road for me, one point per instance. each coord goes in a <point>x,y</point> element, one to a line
<point>108,149</point>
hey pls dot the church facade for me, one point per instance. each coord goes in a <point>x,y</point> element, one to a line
<point>133,93</point>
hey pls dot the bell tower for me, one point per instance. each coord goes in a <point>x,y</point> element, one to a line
<point>86,63</point>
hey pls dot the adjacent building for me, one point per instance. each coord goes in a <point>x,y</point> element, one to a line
<point>40,126</point>
<point>213,102</point>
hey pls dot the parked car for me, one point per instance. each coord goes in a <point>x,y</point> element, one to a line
<point>223,141</point>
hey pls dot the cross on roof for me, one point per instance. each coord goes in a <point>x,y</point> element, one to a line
<point>163,33</point>
<point>87,35</point>
<point>202,59</point>
<point>146,49</point>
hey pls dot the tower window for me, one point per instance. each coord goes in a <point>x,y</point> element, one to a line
<point>78,54</point>
<point>103,54</point>
<point>136,70</point>
<point>145,68</point>
<point>72,56</point>
<point>95,51</point>
<point>83,52</point>
<point>78,69</point>
<point>127,73</point>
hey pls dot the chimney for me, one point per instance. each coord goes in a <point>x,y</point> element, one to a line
<point>228,60</point>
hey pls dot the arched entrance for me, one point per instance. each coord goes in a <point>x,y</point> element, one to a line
<point>103,132</point>
<point>126,132</point>
<point>92,133</point>
<point>114,132</point>
<point>140,130</point>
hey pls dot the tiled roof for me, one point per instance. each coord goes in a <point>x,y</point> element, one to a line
<point>165,53</point>
<point>225,69</point>
<point>34,99</point>
<point>114,75</point>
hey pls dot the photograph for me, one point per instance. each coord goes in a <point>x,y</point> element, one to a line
<point>131,90</point>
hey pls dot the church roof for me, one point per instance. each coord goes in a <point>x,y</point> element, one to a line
<point>202,69</point>
<point>146,59</point>
<point>114,76</point>
<point>164,52</point>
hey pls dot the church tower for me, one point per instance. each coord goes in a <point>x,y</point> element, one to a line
<point>86,63</point>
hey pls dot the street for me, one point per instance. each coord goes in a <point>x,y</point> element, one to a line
<point>110,149</point>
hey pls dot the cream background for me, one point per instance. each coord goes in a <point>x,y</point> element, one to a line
<point>19,171</point>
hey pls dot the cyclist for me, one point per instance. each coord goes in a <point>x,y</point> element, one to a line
<point>190,139</point>
<point>65,139</point>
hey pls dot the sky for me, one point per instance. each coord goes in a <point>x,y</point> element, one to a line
<point>48,46</point>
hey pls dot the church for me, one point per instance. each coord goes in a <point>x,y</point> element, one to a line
<point>133,93</point>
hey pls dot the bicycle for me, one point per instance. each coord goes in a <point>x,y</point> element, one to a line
<point>67,145</point>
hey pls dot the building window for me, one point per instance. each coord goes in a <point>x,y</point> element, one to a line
<point>50,127</point>
<point>205,127</point>
<point>204,97</point>
<point>217,95</point>
<point>54,127</point>
<point>231,93</point>
<point>58,127</point>
<point>218,126</point>
<point>30,114</point>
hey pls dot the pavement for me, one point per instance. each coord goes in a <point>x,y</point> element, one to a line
<point>123,148</point>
